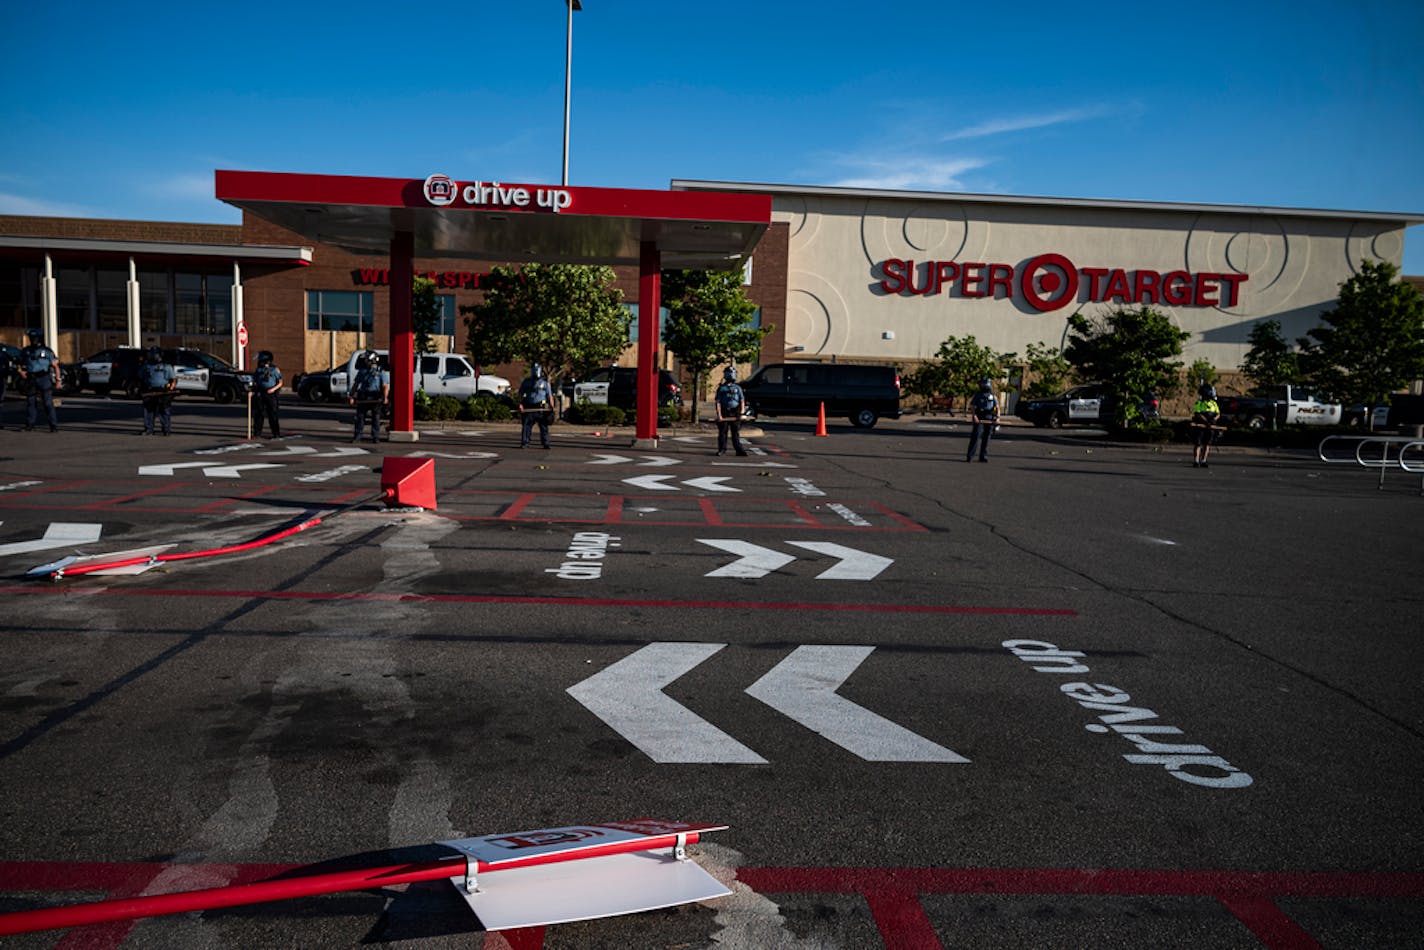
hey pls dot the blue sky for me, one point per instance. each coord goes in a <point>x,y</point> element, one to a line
<point>123,111</point>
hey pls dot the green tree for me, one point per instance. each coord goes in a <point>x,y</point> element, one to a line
<point>1372,342</point>
<point>563,316</point>
<point>1270,361</point>
<point>709,322</point>
<point>1201,373</point>
<point>424,314</point>
<point>959,365</point>
<point>1049,370</point>
<point>1128,350</point>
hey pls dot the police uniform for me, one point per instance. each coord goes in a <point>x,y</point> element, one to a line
<point>156,381</point>
<point>535,401</point>
<point>1205,413</point>
<point>730,403</point>
<point>40,366</point>
<point>984,411</point>
<point>267,381</point>
<point>368,393</point>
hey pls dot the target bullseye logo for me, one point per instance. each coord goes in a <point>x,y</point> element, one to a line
<point>440,190</point>
<point>1054,287</point>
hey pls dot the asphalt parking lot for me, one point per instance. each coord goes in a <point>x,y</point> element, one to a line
<point>1082,695</point>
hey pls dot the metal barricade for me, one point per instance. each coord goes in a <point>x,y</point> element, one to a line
<point>1366,457</point>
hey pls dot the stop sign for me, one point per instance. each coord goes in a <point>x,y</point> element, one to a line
<point>242,334</point>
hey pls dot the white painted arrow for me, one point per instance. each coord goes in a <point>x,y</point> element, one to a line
<point>854,566</point>
<point>60,534</point>
<point>331,473</point>
<point>803,687</point>
<point>652,461</point>
<point>422,454</point>
<point>651,482</point>
<point>338,452</point>
<point>224,449</point>
<point>711,483</point>
<point>235,471</point>
<point>757,561</point>
<point>753,560</point>
<point>13,485</point>
<point>629,697</point>
<point>170,469</point>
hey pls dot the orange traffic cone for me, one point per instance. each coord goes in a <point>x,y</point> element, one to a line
<point>821,421</point>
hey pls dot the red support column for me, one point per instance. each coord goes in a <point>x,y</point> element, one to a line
<point>402,348</point>
<point>650,284</point>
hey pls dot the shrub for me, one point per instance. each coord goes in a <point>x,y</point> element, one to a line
<point>586,413</point>
<point>485,409</point>
<point>444,408</point>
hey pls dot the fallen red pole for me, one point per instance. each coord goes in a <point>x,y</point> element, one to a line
<point>182,556</point>
<point>311,885</point>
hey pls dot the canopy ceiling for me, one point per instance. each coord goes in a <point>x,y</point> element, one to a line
<point>690,229</point>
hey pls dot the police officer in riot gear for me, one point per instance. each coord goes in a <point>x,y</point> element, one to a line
<point>156,381</point>
<point>1205,414</point>
<point>266,383</point>
<point>984,414</point>
<point>535,406</point>
<point>730,403</point>
<point>368,393</point>
<point>39,367</point>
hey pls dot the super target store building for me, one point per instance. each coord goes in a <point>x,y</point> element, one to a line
<point>839,274</point>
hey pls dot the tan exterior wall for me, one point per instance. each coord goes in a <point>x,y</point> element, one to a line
<point>836,306</point>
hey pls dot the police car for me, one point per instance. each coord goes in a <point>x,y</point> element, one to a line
<point>1089,404</point>
<point>116,370</point>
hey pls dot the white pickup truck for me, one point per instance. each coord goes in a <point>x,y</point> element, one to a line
<point>439,374</point>
<point>1285,405</point>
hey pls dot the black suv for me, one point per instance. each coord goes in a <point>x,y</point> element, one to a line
<point>198,373</point>
<point>617,386</point>
<point>860,393</point>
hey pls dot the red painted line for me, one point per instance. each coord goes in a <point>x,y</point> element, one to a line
<point>896,516</point>
<point>902,921</point>
<point>518,505</point>
<point>799,510</point>
<point>365,596</point>
<point>614,512</point>
<point>891,893</point>
<point>234,499</point>
<point>709,511</point>
<point>1269,923</point>
<point>121,499</point>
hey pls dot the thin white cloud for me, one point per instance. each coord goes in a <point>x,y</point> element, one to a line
<point>19,204</point>
<point>910,173</point>
<point>181,187</point>
<point>1020,123</point>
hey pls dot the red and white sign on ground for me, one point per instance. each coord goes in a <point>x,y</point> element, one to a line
<point>595,871</point>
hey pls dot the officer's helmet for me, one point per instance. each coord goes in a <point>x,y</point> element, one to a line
<point>536,371</point>
<point>986,385</point>
<point>729,374</point>
<point>155,355</point>
<point>264,358</point>
<point>373,359</point>
<point>35,335</point>
<point>1207,391</point>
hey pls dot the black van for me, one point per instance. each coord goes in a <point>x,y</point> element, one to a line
<point>860,393</point>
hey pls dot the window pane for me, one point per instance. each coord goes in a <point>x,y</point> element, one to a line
<point>153,301</point>
<point>344,310</point>
<point>219,304</point>
<point>113,300</point>
<point>72,297</point>
<point>19,295</point>
<point>187,303</point>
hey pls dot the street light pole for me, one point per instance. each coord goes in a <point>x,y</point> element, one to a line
<point>568,79</point>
